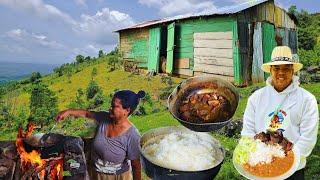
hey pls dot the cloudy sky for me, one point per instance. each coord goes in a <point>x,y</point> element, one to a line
<point>55,31</point>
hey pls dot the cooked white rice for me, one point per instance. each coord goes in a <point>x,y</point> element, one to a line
<point>264,153</point>
<point>182,151</point>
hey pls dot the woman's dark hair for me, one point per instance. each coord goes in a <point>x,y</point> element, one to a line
<point>129,99</point>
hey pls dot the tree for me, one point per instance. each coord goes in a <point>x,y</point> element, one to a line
<point>113,60</point>
<point>92,89</point>
<point>94,73</point>
<point>79,102</point>
<point>43,104</point>
<point>79,99</point>
<point>69,74</point>
<point>35,76</point>
<point>114,52</point>
<point>304,19</point>
<point>97,101</point>
<point>101,53</point>
<point>79,59</point>
<point>88,58</point>
<point>58,71</point>
<point>293,10</point>
<point>306,39</point>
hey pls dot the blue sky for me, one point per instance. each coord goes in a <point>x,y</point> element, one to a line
<point>55,31</point>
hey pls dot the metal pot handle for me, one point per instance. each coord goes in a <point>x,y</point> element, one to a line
<point>175,91</point>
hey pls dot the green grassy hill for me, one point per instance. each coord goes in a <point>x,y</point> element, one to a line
<point>156,115</point>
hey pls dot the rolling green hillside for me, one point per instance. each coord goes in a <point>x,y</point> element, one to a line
<point>17,100</point>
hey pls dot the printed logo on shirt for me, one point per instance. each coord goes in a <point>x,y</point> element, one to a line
<point>277,120</point>
<point>107,167</point>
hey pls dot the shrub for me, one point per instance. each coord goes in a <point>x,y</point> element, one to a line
<point>92,89</point>
<point>35,76</point>
<point>43,104</point>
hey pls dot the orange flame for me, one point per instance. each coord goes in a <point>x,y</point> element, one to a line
<point>34,157</point>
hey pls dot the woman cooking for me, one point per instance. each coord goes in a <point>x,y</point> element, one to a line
<point>116,142</point>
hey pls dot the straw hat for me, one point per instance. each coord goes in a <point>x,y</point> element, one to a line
<point>281,55</point>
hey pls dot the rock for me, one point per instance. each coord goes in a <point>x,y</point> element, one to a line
<point>233,128</point>
<point>313,69</point>
<point>156,110</point>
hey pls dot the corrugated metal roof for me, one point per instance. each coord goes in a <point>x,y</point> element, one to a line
<point>221,11</point>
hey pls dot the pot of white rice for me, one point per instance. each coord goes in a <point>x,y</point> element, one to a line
<point>179,153</point>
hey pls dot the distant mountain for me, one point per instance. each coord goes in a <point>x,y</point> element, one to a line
<point>14,71</point>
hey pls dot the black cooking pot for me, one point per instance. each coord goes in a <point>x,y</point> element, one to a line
<point>49,145</point>
<point>196,84</point>
<point>159,172</point>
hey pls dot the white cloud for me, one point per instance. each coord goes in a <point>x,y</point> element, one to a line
<point>86,35</point>
<point>100,27</point>
<point>27,39</point>
<point>39,9</point>
<point>22,45</point>
<point>84,2</point>
<point>16,34</point>
<point>81,2</point>
<point>97,28</point>
<point>175,7</point>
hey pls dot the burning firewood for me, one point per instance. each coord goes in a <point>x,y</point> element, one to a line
<point>31,162</point>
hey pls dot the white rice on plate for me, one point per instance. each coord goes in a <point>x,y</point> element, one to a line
<point>264,153</point>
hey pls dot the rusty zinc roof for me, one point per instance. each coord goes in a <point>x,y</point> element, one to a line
<point>222,11</point>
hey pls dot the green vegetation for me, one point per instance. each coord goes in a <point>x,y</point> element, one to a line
<point>308,36</point>
<point>89,83</point>
<point>43,104</point>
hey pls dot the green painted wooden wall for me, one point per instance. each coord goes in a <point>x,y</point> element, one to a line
<point>170,47</point>
<point>154,49</point>
<point>184,38</point>
<point>134,46</point>
<point>185,29</point>
<point>268,42</point>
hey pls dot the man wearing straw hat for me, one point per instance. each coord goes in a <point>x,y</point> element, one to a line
<point>283,105</point>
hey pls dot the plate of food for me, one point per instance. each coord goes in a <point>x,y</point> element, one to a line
<point>267,156</point>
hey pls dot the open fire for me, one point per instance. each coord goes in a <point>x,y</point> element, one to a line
<point>32,165</point>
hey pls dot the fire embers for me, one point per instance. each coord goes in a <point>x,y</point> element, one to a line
<point>275,137</point>
<point>205,108</point>
<point>32,166</point>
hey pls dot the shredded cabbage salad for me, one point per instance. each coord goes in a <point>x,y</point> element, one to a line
<point>244,148</point>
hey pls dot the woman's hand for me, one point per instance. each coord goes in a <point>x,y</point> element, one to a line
<point>62,115</point>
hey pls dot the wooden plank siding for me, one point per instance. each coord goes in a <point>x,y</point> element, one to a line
<point>268,43</point>
<point>257,73</point>
<point>232,52</point>
<point>215,52</point>
<point>134,45</point>
<point>211,49</point>
<point>212,60</point>
<point>269,12</point>
<point>186,48</point>
<point>227,78</point>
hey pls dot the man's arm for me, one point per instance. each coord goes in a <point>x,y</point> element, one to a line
<point>308,128</point>
<point>248,119</point>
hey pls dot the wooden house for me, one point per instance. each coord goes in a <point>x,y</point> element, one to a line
<point>230,43</point>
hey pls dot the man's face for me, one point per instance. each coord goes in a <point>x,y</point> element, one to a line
<point>281,76</point>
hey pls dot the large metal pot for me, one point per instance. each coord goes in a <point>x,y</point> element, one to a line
<point>48,145</point>
<point>195,84</point>
<point>159,172</point>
